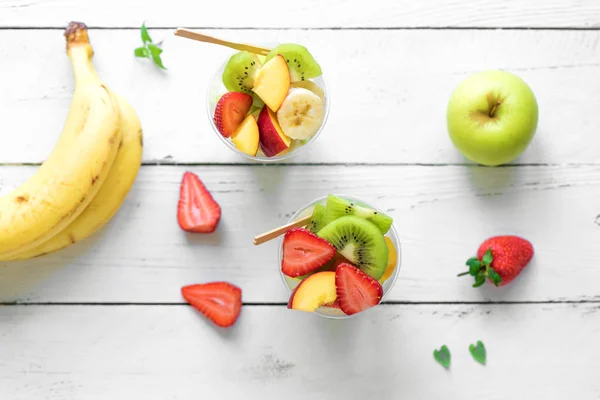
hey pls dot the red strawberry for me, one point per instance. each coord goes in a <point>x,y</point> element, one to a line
<point>221,302</point>
<point>231,111</point>
<point>197,211</point>
<point>499,259</point>
<point>304,252</point>
<point>356,291</point>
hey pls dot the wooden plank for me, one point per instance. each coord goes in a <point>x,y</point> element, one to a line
<point>100,352</point>
<point>441,214</point>
<point>310,14</point>
<point>388,88</point>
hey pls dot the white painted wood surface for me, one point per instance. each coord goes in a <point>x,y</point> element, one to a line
<point>389,91</point>
<point>441,214</point>
<point>307,14</point>
<point>168,352</point>
<point>104,319</point>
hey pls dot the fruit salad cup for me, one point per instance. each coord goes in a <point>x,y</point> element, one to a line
<point>344,261</point>
<point>267,108</point>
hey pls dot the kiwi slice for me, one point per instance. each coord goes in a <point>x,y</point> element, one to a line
<point>316,222</point>
<point>240,71</point>
<point>337,207</point>
<point>301,63</point>
<point>360,241</point>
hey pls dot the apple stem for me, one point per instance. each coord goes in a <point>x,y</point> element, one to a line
<point>494,109</point>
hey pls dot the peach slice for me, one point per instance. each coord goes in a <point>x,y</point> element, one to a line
<point>313,292</point>
<point>272,82</point>
<point>272,139</point>
<point>246,136</point>
<point>392,259</point>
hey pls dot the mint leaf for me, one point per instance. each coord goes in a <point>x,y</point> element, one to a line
<point>145,35</point>
<point>141,52</point>
<point>494,277</point>
<point>442,356</point>
<point>487,257</point>
<point>155,55</point>
<point>479,280</point>
<point>478,352</point>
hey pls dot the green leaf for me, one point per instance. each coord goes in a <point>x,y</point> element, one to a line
<point>478,352</point>
<point>473,261</point>
<point>442,356</point>
<point>487,257</point>
<point>141,52</point>
<point>155,55</point>
<point>494,277</point>
<point>145,35</point>
<point>474,269</point>
<point>479,280</point>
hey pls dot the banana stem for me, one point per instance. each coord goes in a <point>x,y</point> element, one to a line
<point>80,52</point>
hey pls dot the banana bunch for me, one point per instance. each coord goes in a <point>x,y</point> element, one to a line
<point>86,178</point>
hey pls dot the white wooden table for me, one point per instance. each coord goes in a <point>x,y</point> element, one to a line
<point>104,319</point>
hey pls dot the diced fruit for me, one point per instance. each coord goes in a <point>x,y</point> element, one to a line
<point>231,111</point>
<point>301,114</point>
<point>356,291</point>
<point>313,87</point>
<point>240,72</point>
<point>338,207</point>
<point>316,221</point>
<point>313,292</point>
<point>500,259</point>
<point>246,136</point>
<point>304,252</point>
<point>392,260</point>
<point>272,139</point>
<point>335,304</point>
<point>301,63</point>
<point>197,211</point>
<point>360,241</point>
<point>221,302</point>
<point>272,82</point>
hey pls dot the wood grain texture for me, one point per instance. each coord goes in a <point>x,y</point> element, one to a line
<point>441,214</point>
<point>99,352</point>
<point>308,14</point>
<point>389,91</point>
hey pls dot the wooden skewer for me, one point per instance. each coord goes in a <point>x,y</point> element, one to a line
<point>189,34</point>
<point>265,237</point>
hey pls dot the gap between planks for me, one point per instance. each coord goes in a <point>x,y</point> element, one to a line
<point>324,28</point>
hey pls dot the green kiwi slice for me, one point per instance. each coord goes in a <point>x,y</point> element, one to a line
<point>240,71</point>
<point>301,63</point>
<point>337,207</point>
<point>316,222</point>
<point>360,241</point>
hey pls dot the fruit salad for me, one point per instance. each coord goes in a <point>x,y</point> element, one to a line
<point>272,104</point>
<point>343,261</point>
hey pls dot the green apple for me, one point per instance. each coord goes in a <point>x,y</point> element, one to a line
<point>492,117</point>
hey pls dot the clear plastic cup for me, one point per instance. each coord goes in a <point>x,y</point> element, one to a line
<point>330,312</point>
<point>216,89</point>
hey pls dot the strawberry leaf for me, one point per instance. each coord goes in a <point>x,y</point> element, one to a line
<point>494,277</point>
<point>474,269</point>
<point>487,257</point>
<point>478,352</point>
<point>473,261</point>
<point>479,280</point>
<point>442,356</point>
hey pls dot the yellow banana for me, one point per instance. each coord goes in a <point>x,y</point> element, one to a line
<point>112,193</point>
<point>75,170</point>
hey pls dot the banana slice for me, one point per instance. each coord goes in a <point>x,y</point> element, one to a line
<point>301,114</point>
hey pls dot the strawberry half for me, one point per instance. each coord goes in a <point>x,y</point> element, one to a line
<point>197,211</point>
<point>230,111</point>
<point>356,291</point>
<point>221,302</point>
<point>499,259</point>
<point>304,252</point>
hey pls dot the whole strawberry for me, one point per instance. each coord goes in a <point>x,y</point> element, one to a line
<point>499,259</point>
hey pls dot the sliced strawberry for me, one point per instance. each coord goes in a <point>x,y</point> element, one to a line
<point>221,302</point>
<point>197,210</point>
<point>335,304</point>
<point>304,252</point>
<point>356,291</point>
<point>230,111</point>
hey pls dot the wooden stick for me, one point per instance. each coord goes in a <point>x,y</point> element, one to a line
<point>189,34</point>
<point>265,237</point>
